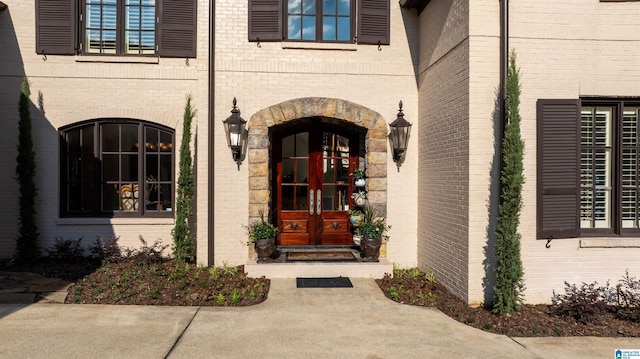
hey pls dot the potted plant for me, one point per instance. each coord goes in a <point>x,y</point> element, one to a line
<point>359,197</point>
<point>355,217</point>
<point>372,229</point>
<point>357,237</point>
<point>359,175</point>
<point>262,235</point>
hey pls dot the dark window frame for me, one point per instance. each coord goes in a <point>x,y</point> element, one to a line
<point>559,168</point>
<point>371,21</point>
<point>59,31</point>
<point>120,30</point>
<point>95,182</point>
<point>319,30</point>
<point>617,147</point>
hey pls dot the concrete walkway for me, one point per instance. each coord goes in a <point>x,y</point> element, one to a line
<point>354,322</point>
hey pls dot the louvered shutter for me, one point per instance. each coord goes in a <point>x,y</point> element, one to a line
<point>56,27</point>
<point>177,28</point>
<point>265,20</point>
<point>558,168</point>
<point>373,22</point>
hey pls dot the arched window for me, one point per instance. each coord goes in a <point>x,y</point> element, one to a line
<point>116,167</point>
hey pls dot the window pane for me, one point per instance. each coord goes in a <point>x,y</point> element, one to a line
<point>87,140</point>
<point>295,6</point>
<point>629,209</point>
<point>111,197</point>
<point>89,199</point>
<point>151,140</point>
<point>309,7</point>
<point>329,7</point>
<point>165,198</point>
<point>148,18</point>
<point>109,42</point>
<point>603,127</point>
<point>308,28</point>
<point>129,138</point>
<point>129,167</point>
<point>344,29</point>
<point>630,127</point>
<point>73,141</point>
<point>110,168</point>
<point>294,27</point>
<point>108,17</point>
<point>132,18</point>
<point>602,205</point>
<point>344,7</point>
<point>165,168</point>
<point>132,39</point>
<point>166,142</point>
<point>328,28</point>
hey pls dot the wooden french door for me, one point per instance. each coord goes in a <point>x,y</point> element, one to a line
<point>312,185</point>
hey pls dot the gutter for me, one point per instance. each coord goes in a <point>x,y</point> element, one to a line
<point>210,137</point>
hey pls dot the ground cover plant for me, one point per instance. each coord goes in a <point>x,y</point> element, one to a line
<point>143,276</point>
<point>615,313</point>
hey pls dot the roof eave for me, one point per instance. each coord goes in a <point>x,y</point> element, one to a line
<point>415,4</point>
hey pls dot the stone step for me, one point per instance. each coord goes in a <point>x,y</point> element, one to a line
<point>319,269</point>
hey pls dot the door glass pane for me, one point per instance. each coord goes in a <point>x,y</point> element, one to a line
<point>287,197</point>
<point>287,171</point>
<point>335,198</point>
<point>302,144</point>
<point>302,198</point>
<point>302,170</point>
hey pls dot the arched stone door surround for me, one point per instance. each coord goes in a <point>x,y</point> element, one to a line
<point>258,147</point>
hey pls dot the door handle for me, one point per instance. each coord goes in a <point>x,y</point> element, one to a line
<point>319,202</point>
<point>311,204</point>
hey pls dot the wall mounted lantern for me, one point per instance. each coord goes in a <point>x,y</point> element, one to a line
<point>400,130</point>
<point>235,128</point>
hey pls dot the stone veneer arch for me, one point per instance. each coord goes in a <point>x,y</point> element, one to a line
<point>258,146</point>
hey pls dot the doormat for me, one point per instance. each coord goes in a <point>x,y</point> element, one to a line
<point>336,282</point>
<point>321,256</point>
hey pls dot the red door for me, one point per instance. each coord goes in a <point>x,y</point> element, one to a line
<point>313,187</point>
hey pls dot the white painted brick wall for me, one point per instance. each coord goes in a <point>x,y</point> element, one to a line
<point>71,90</point>
<point>263,76</point>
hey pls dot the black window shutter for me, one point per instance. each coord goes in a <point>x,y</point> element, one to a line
<point>558,168</point>
<point>56,27</point>
<point>373,22</point>
<point>265,20</point>
<point>177,28</point>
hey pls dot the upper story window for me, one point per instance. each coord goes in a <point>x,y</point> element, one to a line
<point>119,27</point>
<point>324,20</point>
<point>362,21</point>
<point>117,167</point>
<point>164,28</point>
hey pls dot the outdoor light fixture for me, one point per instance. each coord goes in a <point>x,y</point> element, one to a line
<point>399,133</point>
<point>234,127</point>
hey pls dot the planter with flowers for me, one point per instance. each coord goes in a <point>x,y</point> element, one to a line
<point>262,235</point>
<point>373,229</point>
<point>360,198</point>
<point>359,177</point>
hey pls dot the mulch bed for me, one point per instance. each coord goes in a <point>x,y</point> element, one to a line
<point>529,321</point>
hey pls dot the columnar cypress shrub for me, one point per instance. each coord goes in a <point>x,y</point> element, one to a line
<point>27,242</point>
<point>509,289</point>
<point>183,240</point>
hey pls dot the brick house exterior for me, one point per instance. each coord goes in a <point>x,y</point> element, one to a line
<point>441,59</point>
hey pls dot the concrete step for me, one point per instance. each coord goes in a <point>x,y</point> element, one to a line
<point>319,269</point>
